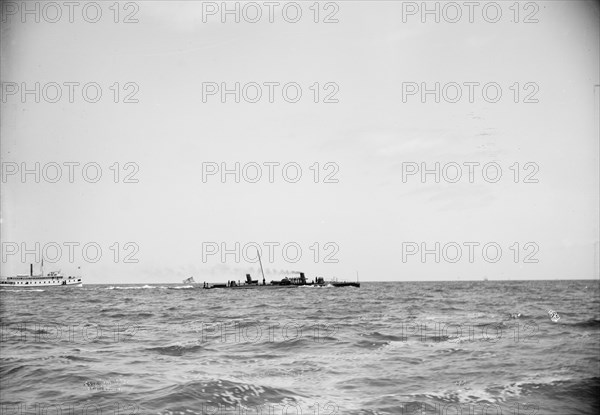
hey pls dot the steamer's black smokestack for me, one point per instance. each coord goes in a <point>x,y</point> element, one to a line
<point>31,270</point>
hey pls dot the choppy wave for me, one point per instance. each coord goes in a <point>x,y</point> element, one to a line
<point>204,396</point>
<point>144,287</point>
<point>178,349</point>
<point>589,323</point>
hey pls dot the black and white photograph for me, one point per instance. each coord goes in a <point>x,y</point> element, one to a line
<point>308,207</point>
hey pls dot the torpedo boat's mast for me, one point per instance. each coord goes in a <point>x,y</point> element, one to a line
<point>260,262</point>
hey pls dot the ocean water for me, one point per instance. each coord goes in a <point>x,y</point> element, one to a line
<point>385,348</point>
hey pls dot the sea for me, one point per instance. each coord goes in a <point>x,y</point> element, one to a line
<point>462,347</point>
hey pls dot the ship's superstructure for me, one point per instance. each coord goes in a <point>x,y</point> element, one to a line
<point>286,282</point>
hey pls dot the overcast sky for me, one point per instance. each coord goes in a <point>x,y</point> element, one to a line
<point>369,135</point>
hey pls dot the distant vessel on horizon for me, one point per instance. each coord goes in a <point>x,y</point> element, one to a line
<point>189,280</point>
<point>51,279</point>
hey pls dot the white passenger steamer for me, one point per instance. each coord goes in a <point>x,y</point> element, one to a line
<point>41,280</point>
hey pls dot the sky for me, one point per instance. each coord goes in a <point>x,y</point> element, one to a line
<point>164,218</point>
